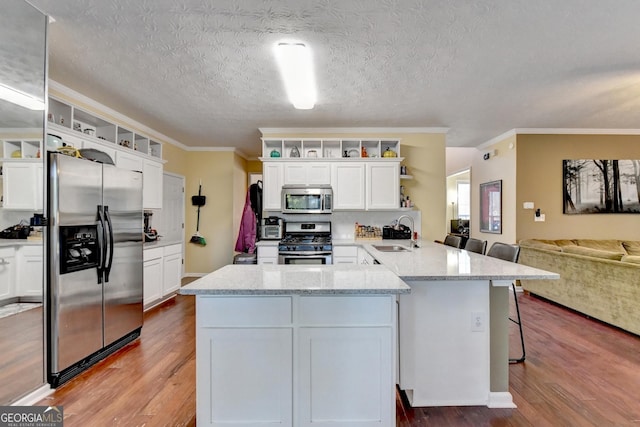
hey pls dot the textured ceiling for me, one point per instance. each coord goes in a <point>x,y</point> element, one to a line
<point>203,72</point>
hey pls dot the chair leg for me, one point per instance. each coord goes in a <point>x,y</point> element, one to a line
<point>519,323</point>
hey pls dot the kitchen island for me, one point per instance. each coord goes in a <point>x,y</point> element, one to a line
<point>332,328</point>
<point>296,345</point>
<point>453,327</point>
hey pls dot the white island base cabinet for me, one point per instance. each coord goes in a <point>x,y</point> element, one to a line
<point>295,360</point>
<point>446,344</point>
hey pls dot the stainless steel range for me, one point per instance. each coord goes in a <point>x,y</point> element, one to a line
<point>305,243</point>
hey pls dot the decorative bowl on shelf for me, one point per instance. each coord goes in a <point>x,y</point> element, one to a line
<point>389,153</point>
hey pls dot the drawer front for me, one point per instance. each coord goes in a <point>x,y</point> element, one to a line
<point>268,251</point>
<point>243,311</point>
<point>172,250</point>
<point>345,251</point>
<point>149,254</point>
<point>346,310</point>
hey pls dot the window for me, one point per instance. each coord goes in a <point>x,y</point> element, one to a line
<point>464,200</point>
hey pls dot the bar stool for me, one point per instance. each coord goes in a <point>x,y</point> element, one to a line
<point>476,245</point>
<point>510,253</point>
<point>454,241</point>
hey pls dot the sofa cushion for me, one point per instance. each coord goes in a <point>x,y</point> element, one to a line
<point>564,242</point>
<point>632,247</point>
<point>631,258</point>
<point>540,244</point>
<point>603,245</point>
<point>595,253</point>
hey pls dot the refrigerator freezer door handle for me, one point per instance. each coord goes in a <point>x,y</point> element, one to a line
<point>107,268</point>
<point>102,253</point>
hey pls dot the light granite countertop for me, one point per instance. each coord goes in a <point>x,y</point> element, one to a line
<point>428,262</point>
<point>267,243</point>
<point>160,243</point>
<point>20,242</point>
<point>297,279</point>
<point>434,261</point>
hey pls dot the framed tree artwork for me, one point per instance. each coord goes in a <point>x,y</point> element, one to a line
<point>491,207</point>
<point>594,186</point>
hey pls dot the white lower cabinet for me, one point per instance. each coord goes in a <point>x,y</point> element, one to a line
<point>355,389</point>
<point>162,272</point>
<point>365,257</point>
<point>152,275</point>
<point>295,360</point>
<point>172,268</point>
<point>253,367</point>
<point>7,272</point>
<point>267,254</point>
<point>345,255</point>
<point>30,272</point>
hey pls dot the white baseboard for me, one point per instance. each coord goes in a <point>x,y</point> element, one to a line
<point>34,397</point>
<point>500,400</point>
<point>195,274</point>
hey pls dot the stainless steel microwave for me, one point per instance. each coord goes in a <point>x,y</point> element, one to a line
<point>313,199</point>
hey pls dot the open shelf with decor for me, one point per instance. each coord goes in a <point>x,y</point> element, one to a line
<point>95,128</point>
<point>329,148</point>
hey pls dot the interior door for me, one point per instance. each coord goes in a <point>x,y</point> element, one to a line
<point>170,220</point>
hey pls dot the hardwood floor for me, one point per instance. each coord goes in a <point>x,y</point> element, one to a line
<point>578,372</point>
<point>21,354</point>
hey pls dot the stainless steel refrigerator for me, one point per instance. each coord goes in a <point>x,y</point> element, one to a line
<point>94,252</point>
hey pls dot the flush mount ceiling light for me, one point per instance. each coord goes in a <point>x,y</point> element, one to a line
<point>296,68</point>
<point>20,98</point>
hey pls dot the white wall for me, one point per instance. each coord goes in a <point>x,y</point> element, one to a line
<point>459,159</point>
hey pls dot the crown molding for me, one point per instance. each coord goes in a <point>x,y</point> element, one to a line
<point>350,130</point>
<point>101,109</point>
<point>557,131</point>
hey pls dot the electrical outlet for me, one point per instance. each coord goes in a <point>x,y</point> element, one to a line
<point>477,321</point>
<point>538,218</point>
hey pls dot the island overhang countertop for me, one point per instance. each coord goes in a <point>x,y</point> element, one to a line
<point>434,261</point>
<point>297,279</point>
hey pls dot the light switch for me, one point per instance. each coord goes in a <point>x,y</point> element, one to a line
<point>527,205</point>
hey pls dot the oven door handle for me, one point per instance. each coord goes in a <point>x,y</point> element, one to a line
<point>303,254</point>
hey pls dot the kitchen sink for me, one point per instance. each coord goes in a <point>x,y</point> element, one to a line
<point>391,248</point>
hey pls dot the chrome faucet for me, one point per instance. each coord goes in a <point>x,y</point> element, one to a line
<point>414,242</point>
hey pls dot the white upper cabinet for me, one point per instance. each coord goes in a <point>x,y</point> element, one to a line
<point>307,173</point>
<point>364,173</point>
<point>383,185</point>
<point>152,184</point>
<point>348,182</point>
<point>272,179</point>
<point>22,185</point>
<point>128,149</point>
